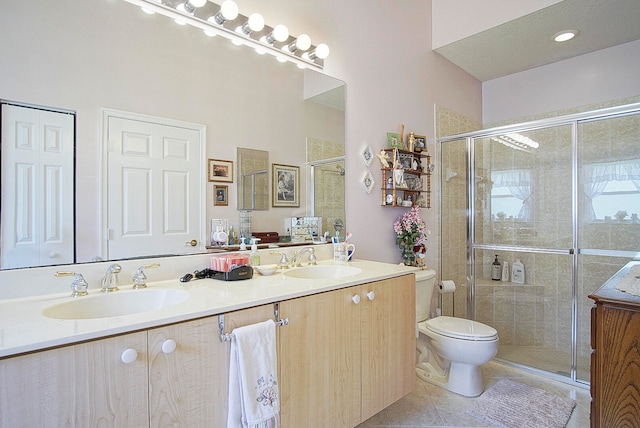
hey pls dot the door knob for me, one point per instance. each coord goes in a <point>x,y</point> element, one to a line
<point>193,243</point>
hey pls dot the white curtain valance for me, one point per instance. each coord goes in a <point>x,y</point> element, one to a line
<point>625,170</point>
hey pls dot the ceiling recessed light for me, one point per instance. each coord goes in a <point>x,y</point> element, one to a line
<point>563,36</point>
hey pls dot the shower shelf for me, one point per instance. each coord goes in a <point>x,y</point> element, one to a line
<point>410,186</point>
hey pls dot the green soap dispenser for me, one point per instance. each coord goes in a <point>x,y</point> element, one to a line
<point>254,257</point>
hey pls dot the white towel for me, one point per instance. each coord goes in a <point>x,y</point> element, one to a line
<point>254,400</point>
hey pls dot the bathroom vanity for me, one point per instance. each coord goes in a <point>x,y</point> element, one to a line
<point>615,327</point>
<point>346,353</point>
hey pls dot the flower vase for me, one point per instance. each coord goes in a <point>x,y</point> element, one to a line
<point>408,257</point>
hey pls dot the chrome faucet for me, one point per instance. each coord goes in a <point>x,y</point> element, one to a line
<point>110,280</point>
<point>79,285</point>
<point>296,256</point>
<point>283,263</point>
<point>140,278</point>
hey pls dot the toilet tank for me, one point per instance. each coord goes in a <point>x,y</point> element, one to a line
<point>425,283</point>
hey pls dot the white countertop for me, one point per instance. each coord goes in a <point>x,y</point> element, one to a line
<point>23,327</point>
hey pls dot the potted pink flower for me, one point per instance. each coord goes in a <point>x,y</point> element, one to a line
<point>411,235</point>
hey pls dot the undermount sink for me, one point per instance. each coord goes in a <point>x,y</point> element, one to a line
<point>115,304</point>
<point>323,272</point>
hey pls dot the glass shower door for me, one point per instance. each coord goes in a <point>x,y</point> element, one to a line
<point>523,211</point>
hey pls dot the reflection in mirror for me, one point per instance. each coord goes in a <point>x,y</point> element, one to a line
<point>253,179</point>
<point>325,161</point>
<point>95,54</point>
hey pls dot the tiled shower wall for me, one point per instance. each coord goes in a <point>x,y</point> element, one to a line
<point>453,199</point>
<point>329,182</point>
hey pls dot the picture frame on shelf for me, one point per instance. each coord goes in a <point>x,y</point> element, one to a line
<point>420,143</point>
<point>285,187</point>
<point>220,195</point>
<point>220,170</point>
<point>394,141</point>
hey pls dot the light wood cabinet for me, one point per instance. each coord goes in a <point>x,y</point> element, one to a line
<point>84,385</point>
<point>88,384</point>
<point>340,361</point>
<point>190,385</point>
<point>615,359</point>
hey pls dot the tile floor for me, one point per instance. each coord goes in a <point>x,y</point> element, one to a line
<point>429,406</point>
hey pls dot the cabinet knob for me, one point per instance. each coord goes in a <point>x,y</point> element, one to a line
<point>371,295</point>
<point>168,346</point>
<point>356,299</point>
<point>129,356</point>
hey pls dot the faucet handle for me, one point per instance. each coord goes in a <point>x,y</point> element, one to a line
<point>79,285</point>
<point>284,261</point>
<point>140,279</point>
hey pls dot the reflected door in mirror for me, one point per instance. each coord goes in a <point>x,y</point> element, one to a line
<point>154,188</point>
<point>37,211</point>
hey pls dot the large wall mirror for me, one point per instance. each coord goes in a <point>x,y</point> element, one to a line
<point>107,54</point>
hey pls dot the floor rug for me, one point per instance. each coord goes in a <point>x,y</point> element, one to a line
<point>510,404</point>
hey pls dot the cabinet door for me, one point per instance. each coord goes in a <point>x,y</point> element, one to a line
<point>189,386</point>
<point>319,359</point>
<point>388,342</point>
<point>84,385</point>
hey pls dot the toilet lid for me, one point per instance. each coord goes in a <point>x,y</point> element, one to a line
<point>461,328</point>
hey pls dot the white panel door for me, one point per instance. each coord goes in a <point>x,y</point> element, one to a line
<point>154,187</point>
<point>37,212</point>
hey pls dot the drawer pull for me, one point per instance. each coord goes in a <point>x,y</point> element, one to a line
<point>371,295</point>
<point>356,299</point>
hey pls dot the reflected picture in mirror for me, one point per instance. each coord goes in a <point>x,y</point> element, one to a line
<point>286,185</point>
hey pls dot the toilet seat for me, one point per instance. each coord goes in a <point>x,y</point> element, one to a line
<point>460,328</point>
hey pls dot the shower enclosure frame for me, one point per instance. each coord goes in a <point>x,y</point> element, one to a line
<point>574,251</point>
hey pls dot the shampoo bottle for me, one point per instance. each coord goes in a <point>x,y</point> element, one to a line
<point>495,270</point>
<point>505,271</point>
<point>254,257</point>
<point>517,272</point>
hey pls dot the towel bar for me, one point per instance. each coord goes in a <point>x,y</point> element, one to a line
<point>225,337</point>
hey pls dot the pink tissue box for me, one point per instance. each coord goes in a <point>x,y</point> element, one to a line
<point>225,262</point>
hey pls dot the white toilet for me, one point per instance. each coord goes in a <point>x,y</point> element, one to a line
<point>450,350</point>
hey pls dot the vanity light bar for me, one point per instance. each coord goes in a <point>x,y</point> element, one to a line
<point>312,58</point>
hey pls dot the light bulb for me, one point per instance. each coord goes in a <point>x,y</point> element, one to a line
<point>302,43</point>
<point>256,22</point>
<point>190,5</point>
<point>280,33</point>
<point>229,10</point>
<point>322,51</point>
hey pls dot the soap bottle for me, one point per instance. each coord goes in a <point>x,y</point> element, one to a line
<point>495,270</point>
<point>232,236</point>
<point>505,271</point>
<point>254,257</point>
<point>517,272</point>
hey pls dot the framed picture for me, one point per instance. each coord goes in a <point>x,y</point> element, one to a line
<point>367,155</point>
<point>394,140</point>
<point>368,182</point>
<point>220,195</point>
<point>220,170</point>
<point>420,144</point>
<point>285,188</point>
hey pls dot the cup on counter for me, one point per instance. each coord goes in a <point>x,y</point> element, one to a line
<point>343,252</point>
